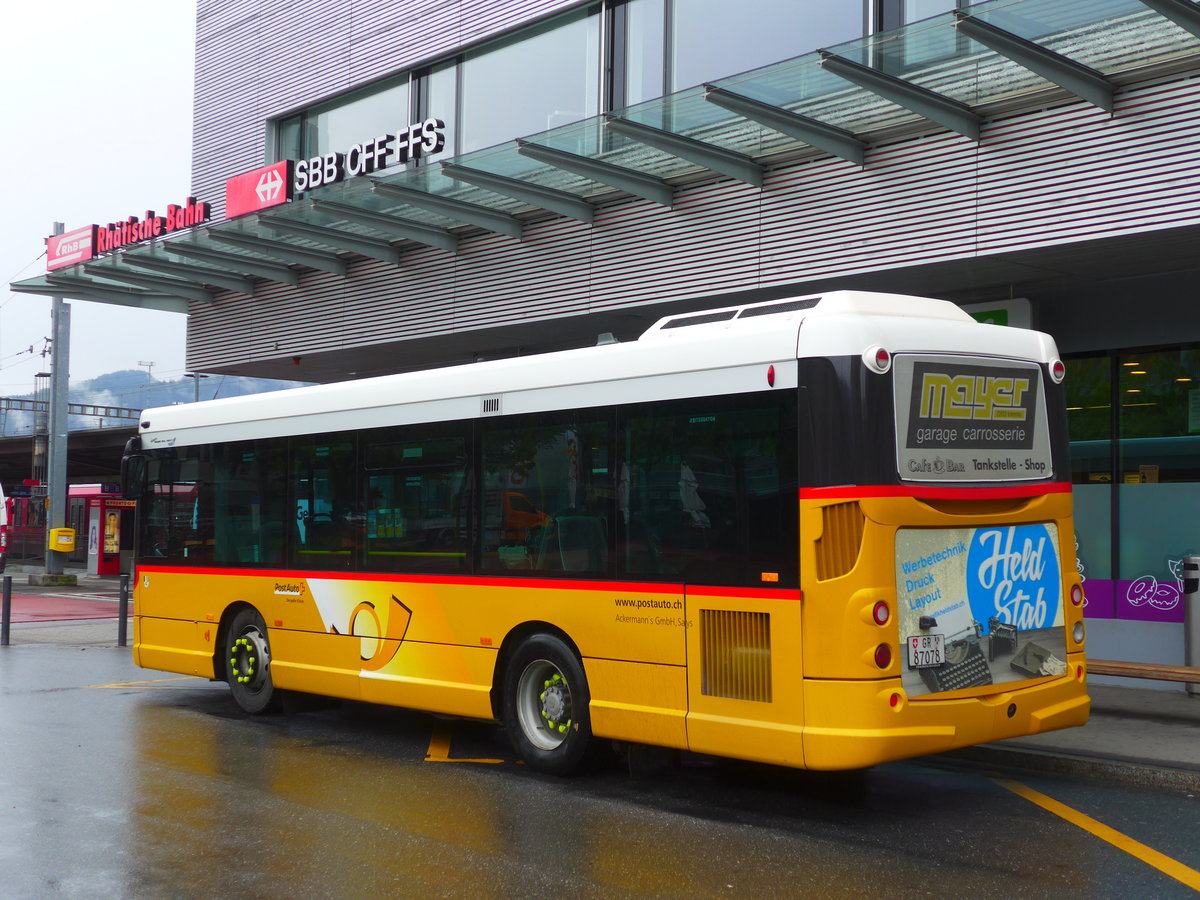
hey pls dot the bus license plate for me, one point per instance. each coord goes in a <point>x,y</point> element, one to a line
<point>926,651</point>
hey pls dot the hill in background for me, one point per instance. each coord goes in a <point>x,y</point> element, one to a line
<point>133,389</point>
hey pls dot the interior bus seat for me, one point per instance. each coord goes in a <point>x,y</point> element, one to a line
<point>574,544</point>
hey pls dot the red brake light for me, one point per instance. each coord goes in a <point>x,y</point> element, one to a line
<point>883,656</point>
<point>881,613</point>
<point>1077,595</point>
<point>877,359</point>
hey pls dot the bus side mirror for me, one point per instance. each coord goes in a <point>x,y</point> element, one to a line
<point>133,470</point>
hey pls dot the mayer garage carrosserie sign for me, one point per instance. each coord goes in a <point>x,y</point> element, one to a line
<point>970,421</point>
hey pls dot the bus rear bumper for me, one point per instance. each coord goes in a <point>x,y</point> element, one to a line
<point>855,724</point>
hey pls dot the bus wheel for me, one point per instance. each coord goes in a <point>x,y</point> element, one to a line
<point>546,705</point>
<point>248,663</point>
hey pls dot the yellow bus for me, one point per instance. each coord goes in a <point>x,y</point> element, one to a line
<point>822,532</point>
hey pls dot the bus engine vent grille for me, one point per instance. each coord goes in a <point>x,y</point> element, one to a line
<point>840,541</point>
<point>489,406</point>
<point>735,654</point>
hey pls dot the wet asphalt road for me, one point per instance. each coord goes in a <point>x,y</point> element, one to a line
<point>121,782</point>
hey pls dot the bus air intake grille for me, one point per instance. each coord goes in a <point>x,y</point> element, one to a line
<point>735,654</point>
<point>841,539</point>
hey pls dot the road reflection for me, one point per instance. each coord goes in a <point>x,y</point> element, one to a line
<point>322,806</point>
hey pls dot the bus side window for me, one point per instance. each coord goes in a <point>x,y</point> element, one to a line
<point>709,496</point>
<point>416,487</point>
<point>325,502</point>
<point>548,496</point>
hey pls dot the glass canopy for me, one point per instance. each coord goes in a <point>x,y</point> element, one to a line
<point>949,72</point>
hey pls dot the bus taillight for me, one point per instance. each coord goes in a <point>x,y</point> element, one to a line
<point>1058,371</point>
<point>877,359</point>
<point>881,613</point>
<point>883,656</point>
<point>1077,594</point>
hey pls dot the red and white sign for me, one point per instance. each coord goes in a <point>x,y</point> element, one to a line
<point>84,243</point>
<point>73,247</point>
<point>260,189</point>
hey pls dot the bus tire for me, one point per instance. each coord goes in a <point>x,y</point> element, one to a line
<point>248,663</point>
<point>546,705</point>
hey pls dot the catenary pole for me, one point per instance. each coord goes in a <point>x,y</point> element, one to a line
<point>56,477</point>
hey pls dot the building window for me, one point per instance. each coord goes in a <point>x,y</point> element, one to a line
<point>605,56</point>
<point>543,80</point>
<point>1134,420</point>
<point>435,93</point>
<point>714,38</point>
<point>339,124</point>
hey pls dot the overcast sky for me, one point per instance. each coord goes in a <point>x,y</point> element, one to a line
<point>97,126</point>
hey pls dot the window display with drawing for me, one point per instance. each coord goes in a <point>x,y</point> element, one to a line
<point>1135,496</point>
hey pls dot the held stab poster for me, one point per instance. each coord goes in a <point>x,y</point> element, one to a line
<point>995,595</point>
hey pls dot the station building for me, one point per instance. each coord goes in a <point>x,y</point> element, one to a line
<point>383,185</point>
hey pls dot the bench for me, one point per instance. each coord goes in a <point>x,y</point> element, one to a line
<point>1154,671</point>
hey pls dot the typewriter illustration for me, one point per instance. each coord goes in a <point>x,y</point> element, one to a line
<point>1002,639</point>
<point>965,665</point>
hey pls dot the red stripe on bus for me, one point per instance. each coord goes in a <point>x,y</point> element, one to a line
<point>856,492</point>
<point>749,593</point>
<point>628,587</point>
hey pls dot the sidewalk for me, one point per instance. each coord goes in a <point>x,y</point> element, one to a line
<point>83,614</point>
<point>1134,733</point>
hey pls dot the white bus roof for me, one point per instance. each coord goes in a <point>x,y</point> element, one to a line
<point>720,351</point>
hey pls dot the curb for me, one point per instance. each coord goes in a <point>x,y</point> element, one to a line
<point>1108,768</point>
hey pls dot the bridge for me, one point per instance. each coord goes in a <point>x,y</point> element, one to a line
<point>93,454</point>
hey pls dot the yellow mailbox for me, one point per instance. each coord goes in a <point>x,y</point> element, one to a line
<point>62,539</point>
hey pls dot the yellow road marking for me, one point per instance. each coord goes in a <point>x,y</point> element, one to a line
<point>1148,855</point>
<point>439,748</point>
<point>152,683</point>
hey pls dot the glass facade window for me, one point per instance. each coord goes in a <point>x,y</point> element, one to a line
<point>532,84</point>
<point>560,71</point>
<point>339,127</point>
<point>1088,389</point>
<point>339,124</point>
<point>713,38</point>
<point>644,46</point>
<point>439,98</point>
<point>1134,419</point>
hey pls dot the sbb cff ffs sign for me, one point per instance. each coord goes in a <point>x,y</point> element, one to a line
<point>417,140</point>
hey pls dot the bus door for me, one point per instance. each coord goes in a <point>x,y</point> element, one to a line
<point>712,480</point>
